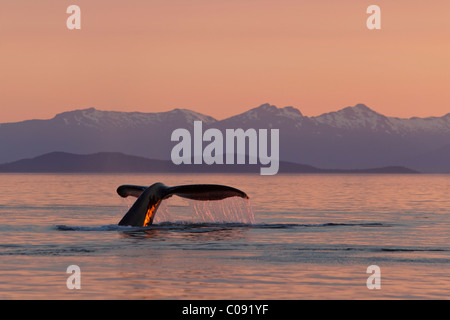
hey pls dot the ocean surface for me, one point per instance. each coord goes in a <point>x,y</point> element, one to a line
<point>298,237</point>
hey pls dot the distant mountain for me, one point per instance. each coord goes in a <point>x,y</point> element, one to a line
<point>92,131</point>
<point>103,162</point>
<point>113,162</point>
<point>352,138</point>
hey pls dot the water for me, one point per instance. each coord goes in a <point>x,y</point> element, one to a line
<point>299,237</point>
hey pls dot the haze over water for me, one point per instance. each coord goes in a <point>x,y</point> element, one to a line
<point>299,237</point>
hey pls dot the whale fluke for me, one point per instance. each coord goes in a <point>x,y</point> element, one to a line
<point>130,190</point>
<point>143,211</point>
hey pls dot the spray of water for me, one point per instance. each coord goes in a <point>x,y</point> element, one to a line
<point>230,210</point>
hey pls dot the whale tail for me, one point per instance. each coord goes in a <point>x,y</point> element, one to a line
<point>143,211</point>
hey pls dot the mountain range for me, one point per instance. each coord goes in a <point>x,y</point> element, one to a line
<point>353,138</point>
<point>115,162</point>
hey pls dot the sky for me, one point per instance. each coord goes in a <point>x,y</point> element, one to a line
<point>223,57</point>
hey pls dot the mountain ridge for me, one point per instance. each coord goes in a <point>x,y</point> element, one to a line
<point>354,137</point>
<point>116,162</point>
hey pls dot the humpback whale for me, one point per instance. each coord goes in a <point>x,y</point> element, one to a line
<point>143,211</point>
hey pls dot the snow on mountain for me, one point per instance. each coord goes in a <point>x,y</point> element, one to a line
<point>362,117</point>
<point>114,119</point>
<point>357,117</point>
<point>436,125</point>
<point>270,110</point>
<point>350,118</point>
<point>265,116</point>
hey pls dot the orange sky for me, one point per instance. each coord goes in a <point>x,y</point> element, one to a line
<point>222,57</point>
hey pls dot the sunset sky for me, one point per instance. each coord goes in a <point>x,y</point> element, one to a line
<point>223,57</point>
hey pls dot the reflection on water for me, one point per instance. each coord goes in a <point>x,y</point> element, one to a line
<point>299,237</point>
<point>188,232</point>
